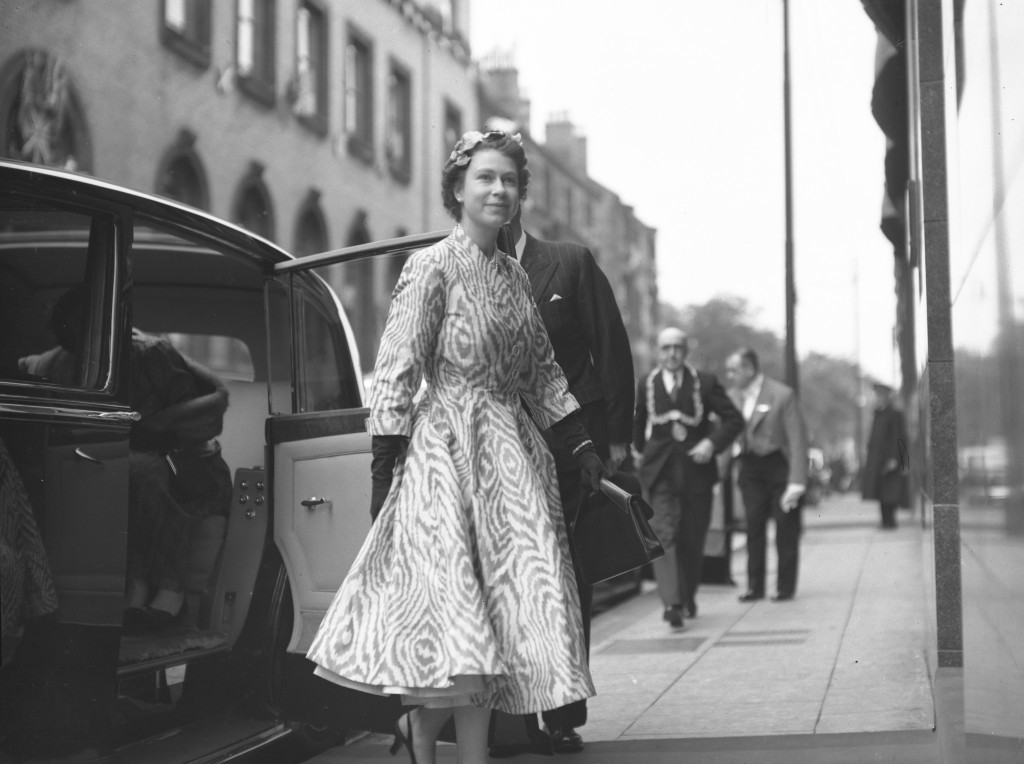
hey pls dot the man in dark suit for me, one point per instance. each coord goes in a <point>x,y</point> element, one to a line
<point>883,479</point>
<point>772,472</point>
<point>578,308</point>
<point>678,442</point>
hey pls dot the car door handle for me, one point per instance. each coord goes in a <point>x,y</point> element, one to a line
<point>315,501</point>
<point>82,455</point>
<point>120,416</point>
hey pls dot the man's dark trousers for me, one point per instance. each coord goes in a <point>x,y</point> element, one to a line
<point>763,480</point>
<point>571,489</point>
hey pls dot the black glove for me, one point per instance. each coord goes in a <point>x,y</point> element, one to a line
<point>571,433</point>
<point>386,450</point>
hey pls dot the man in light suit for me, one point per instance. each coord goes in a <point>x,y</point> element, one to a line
<point>678,442</point>
<point>589,339</point>
<point>772,472</point>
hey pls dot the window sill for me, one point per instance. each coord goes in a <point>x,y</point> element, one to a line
<point>400,172</point>
<point>360,149</point>
<point>193,51</point>
<point>315,123</point>
<point>259,90</point>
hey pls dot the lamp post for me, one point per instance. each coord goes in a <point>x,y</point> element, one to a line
<point>792,370</point>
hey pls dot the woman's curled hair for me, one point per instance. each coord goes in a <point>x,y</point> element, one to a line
<point>455,168</point>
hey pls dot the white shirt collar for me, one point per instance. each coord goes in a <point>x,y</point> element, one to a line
<point>520,246</point>
<point>668,377</point>
<point>751,394</point>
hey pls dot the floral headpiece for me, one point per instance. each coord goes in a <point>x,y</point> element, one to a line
<point>460,154</point>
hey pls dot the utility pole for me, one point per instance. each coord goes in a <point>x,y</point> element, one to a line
<point>792,369</point>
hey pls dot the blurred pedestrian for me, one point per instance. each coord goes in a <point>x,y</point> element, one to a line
<point>463,597</point>
<point>677,443</point>
<point>772,472</point>
<point>589,339</point>
<point>884,476</point>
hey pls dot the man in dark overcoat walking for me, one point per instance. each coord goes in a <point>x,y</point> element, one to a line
<point>884,476</point>
<point>588,336</point>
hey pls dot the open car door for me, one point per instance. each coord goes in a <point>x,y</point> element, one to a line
<point>320,454</point>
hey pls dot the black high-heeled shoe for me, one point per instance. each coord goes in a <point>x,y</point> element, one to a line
<point>401,739</point>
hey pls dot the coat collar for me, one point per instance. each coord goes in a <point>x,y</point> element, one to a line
<point>540,265</point>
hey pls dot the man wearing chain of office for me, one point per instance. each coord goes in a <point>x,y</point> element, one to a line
<point>677,441</point>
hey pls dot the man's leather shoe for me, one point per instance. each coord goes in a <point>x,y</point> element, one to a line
<point>750,596</point>
<point>782,597</point>
<point>566,740</point>
<point>691,609</point>
<point>674,616</point>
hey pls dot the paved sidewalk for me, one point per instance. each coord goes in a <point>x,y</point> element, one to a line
<point>847,655</point>
<point>837,675</point>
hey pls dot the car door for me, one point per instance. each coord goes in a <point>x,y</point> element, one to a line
<point>321,452</point>
<point>64,424</point>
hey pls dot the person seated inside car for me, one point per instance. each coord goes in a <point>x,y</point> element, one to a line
<point>176,474</point>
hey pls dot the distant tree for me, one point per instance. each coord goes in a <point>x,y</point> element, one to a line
<point>723,324</point>
<point>829,392</point>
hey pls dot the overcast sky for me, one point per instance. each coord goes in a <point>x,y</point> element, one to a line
<point>681,103</point>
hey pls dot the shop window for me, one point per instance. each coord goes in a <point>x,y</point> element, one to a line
<point>359,96</point>
<point>186,29</point>
<point>255,49</point>
<point>309,86</point>
<point>399,123</point>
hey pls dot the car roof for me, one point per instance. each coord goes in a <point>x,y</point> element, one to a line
<point>161,208</point>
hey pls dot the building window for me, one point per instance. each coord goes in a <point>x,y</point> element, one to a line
<point>398,145</point>
<point>181,176</point>
<point>309,87</point>
<point>359,96</point>
<point>255,52</point>
<point>186,29</point>
<point>311,228</point>
<point>452,129</point>
<point>253,209</point>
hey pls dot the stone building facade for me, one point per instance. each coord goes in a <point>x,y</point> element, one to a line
<point>317,124</point>
<point>565,203</point>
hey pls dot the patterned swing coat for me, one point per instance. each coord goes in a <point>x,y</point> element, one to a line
<point>464,587</point>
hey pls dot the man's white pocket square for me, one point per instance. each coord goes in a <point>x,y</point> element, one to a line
<point>555,297</point>
<point>763,407</point>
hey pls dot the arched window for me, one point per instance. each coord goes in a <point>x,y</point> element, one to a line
<point>253,209</point>
<point>41,118</point>
<point>180,175</point>
<point>354,284</point>
<point>311,226</point>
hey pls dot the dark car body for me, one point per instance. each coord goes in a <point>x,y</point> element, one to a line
<point>232,677</point>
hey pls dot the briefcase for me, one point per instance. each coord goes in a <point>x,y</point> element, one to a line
<point>611,534</point>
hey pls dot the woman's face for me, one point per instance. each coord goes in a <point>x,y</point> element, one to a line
<point>489,190</point>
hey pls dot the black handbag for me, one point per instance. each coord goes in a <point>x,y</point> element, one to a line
<point>611,534</point>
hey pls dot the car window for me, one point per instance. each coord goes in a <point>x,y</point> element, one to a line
<point>326,378</point>
<point>364,287</point>
<point>54,272</point>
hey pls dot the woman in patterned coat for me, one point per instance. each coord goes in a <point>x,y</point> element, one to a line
<point>463,597</point>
